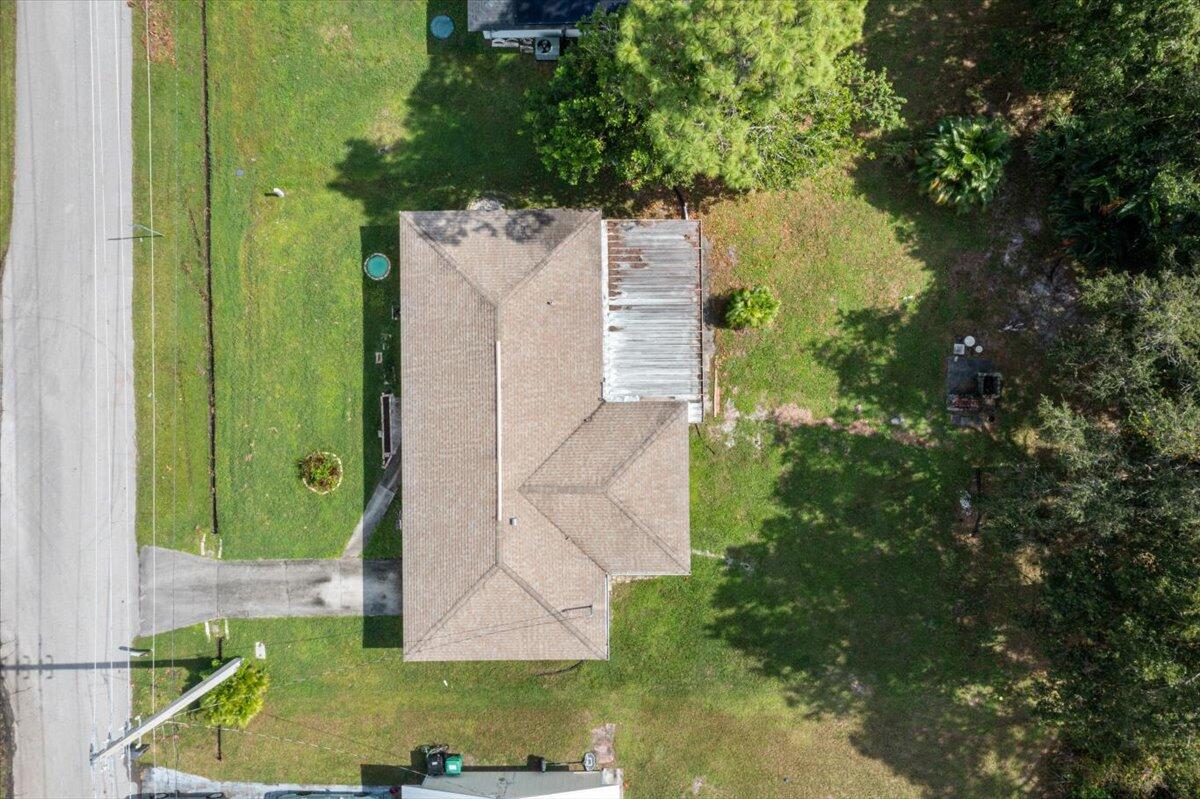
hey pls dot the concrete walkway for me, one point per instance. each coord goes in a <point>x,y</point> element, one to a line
<point>179,589</point>
<point>377,506</point>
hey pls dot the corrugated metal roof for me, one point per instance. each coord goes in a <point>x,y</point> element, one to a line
<point>653,331</point>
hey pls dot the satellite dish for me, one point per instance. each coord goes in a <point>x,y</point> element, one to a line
<point>969,341</point>
<point>441,27</point>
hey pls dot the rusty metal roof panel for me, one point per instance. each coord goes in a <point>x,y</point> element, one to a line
<point>653,335</point>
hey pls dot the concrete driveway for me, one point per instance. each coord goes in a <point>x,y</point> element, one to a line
<point>178,589</point>
<point>67,566</point>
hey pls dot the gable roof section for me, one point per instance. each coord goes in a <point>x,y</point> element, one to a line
<point>614,488</point>
<point>496,251</point>
<point>446,389</point>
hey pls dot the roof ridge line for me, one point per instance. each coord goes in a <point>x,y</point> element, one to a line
<point>451,261</point>
<point>561,444</point>
<point>641,448</point>
<point>540,265</point>
<point>559,488</point>
<point>458,603</point>
<point>561,531</point>
<point>541,600</point>
<point>638,523</point>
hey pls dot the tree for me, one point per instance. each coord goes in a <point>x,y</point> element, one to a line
<point>1140,357</point>
<point>1110,512</point>
<point>1124,158</point>
<point>752,94</point>
<point>236,701</point>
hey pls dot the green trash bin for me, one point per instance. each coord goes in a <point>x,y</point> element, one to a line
<point>453,765</point>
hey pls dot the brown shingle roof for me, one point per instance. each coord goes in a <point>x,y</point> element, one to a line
<point>521,490</point>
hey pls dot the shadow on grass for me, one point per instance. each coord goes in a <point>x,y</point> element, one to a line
<point>466,139</point>
<point>867,598</point>
<point>939,54</point>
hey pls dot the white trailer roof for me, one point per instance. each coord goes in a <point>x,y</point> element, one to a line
<point>604,784</point>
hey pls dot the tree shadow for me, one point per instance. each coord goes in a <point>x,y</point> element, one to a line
<point>466,137</point>
<point>939,54</point>
<point>866,597</point>
<point>381,341</point>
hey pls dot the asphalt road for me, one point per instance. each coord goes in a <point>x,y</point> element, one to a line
<point>68,575</point>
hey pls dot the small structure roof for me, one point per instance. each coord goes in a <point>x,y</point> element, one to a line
<point>605,784</point>
<point>522,491</point>
<point>516,14</point>
<point>654,328</point>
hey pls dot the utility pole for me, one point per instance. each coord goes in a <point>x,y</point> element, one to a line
<point>191,695</point>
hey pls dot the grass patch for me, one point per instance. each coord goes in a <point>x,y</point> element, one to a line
<point>846,649</point>
<point>356,115</point>
<point>8,113</point>
<point>853,258</point>
<point>169,290</point>
<point>333,707</point>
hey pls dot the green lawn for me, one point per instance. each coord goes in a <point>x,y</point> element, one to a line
<point>842,254</point>
<point>170,330</point>
<point>356,116</point>
<point>8,87</point>
<point>858,642</point>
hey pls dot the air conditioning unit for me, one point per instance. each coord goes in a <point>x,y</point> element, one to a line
<point>547,48</point>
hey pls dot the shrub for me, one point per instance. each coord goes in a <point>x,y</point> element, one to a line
<point>751,307</point>
<point>321,471</point>
<point>236,701</point>
<point>962,159</point>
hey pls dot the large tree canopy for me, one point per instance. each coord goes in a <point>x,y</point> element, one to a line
<point>1111,512</point>
<point>1125,159</point>
<point>747,93</point>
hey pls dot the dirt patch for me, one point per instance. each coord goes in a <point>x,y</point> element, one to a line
<point>157,37</point>
<point>603,745</point>
<point>336,37</point>
<point>911,439</point>
<point>792,415</point>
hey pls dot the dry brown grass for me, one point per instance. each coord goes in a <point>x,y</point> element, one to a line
<point>157,36</point>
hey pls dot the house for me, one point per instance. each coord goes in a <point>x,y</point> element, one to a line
<point>540,25</point>
<point>551,361</point>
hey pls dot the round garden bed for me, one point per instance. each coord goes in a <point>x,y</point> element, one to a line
<point>321,472</point>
